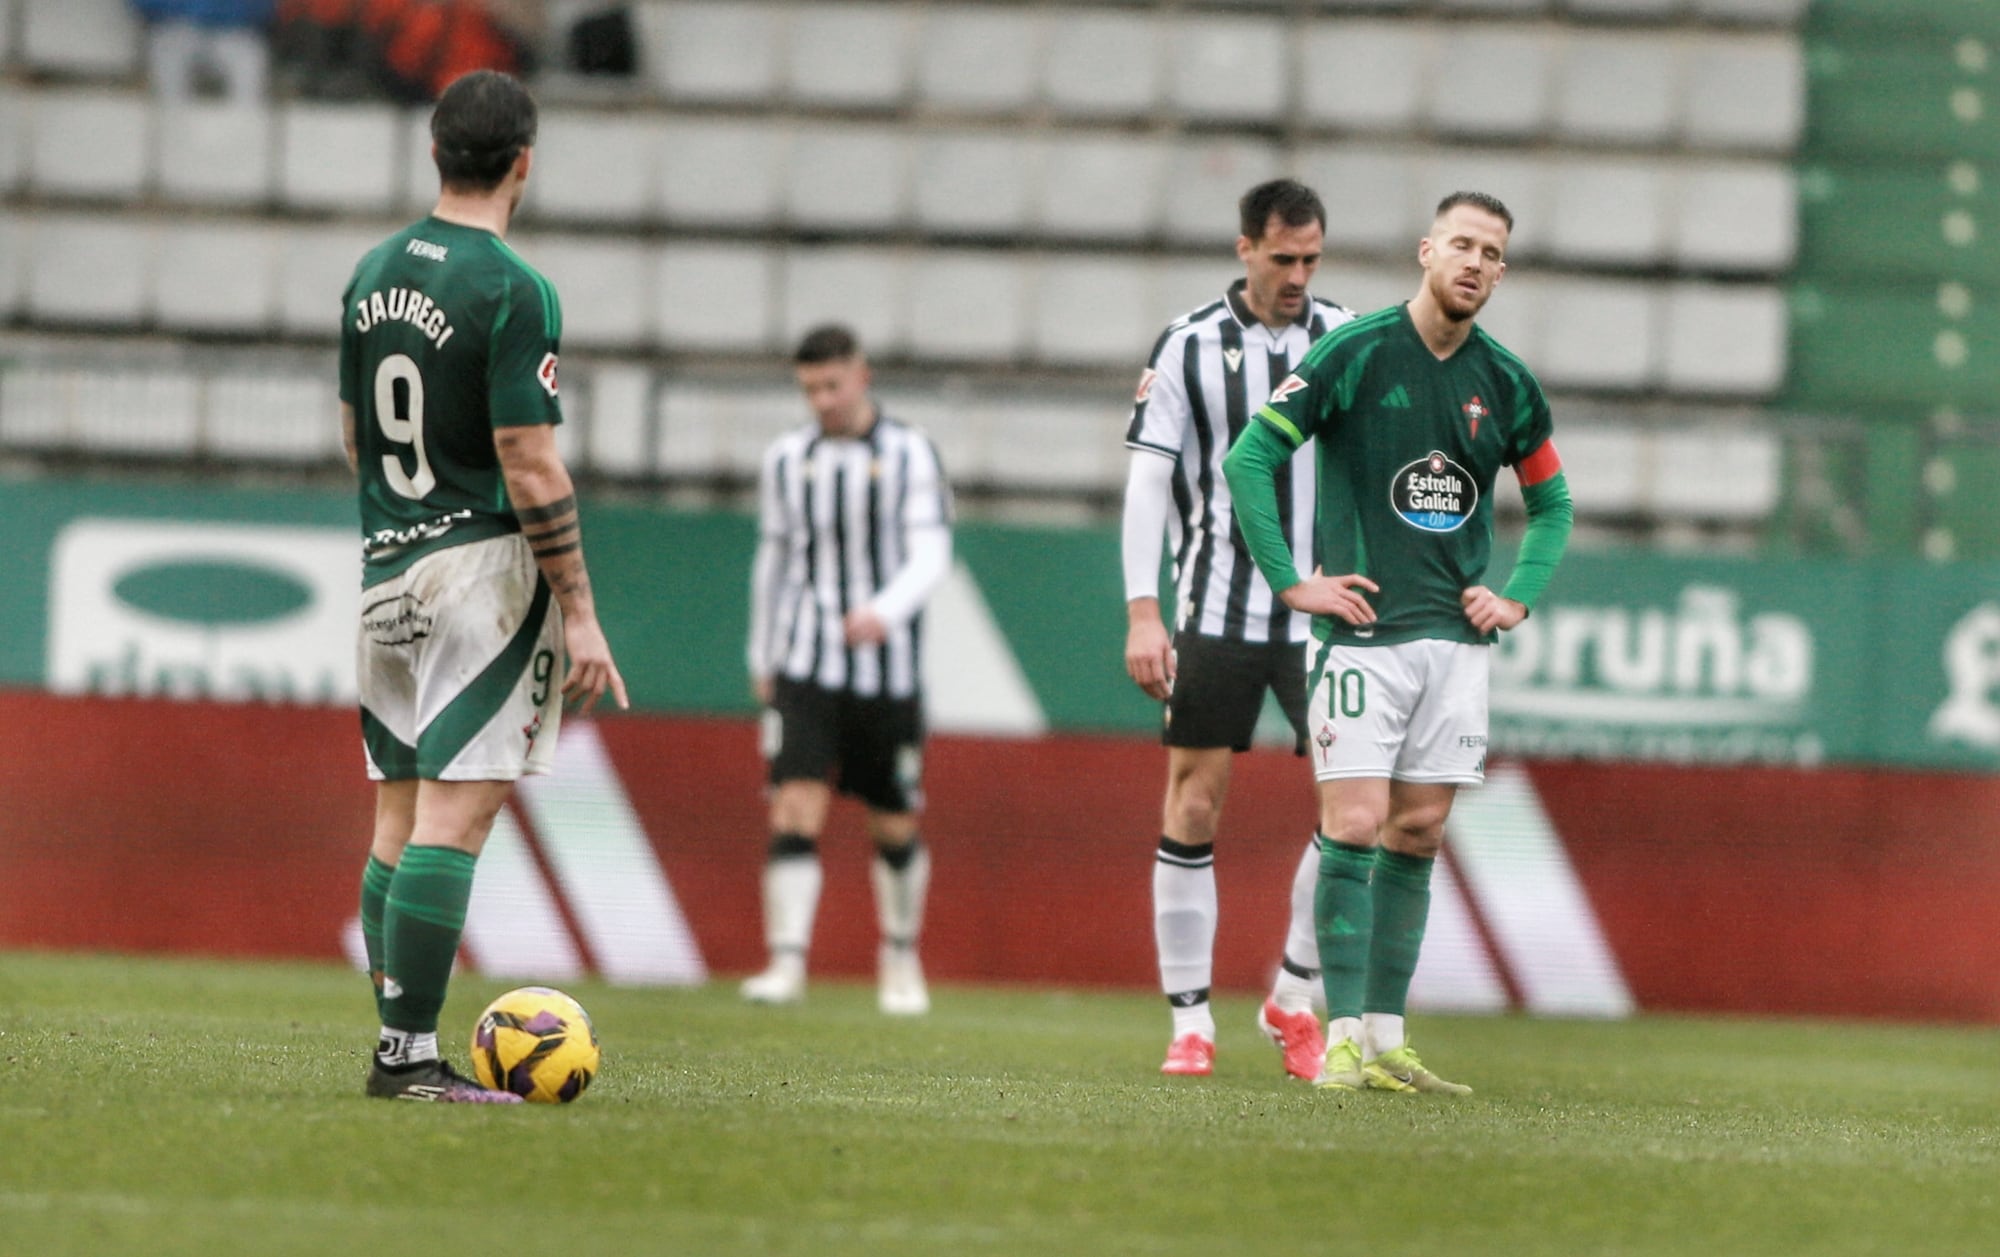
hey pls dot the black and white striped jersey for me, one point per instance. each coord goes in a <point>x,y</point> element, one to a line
<point>1209,372</point>
<point>847,522</point>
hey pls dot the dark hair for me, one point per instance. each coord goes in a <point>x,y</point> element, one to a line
<point>480,125</point>
<point>829,342</point>
<point>1293,202</point>
<point>1478,200</point>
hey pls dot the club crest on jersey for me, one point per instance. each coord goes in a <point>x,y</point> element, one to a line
<point>1145,389</point>
<point>1291,384</point>
<point>546,373</point>
<point>1434,494</point>
<point>1475,410</point>
<point>1325,741</point>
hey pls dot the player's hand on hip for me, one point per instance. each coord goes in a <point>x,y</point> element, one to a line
<point>591,668</point>
<point>1487,611</point>
<point>761,689</point>
<point>864,628</point>
<point>1338,596</point>
<point>1149,656</point>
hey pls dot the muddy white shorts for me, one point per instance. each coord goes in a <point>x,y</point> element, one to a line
<point>460,667</point>
<point>1414,711</point>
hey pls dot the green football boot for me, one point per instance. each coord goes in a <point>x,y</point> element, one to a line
<point>1342,1070</point>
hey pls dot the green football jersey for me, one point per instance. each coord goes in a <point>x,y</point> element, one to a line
<point>1408,448</point>
<point>446,334</point>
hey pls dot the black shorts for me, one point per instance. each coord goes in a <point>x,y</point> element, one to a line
<point>873,747</point>
<point>1219,691</point>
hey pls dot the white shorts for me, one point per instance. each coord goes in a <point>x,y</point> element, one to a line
<point>1414,711</point>
<point>461,667</point>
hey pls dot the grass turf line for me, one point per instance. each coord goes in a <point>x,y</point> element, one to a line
<point>186,1107</point>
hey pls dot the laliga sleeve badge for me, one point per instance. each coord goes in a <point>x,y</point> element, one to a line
<point>546,373</point>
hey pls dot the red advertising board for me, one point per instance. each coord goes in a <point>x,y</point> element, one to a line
<point>143,825</point>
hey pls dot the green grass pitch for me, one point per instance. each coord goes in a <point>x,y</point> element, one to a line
<point>169,1107</point>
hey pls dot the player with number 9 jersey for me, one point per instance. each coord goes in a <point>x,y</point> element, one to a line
<point>447,335</point>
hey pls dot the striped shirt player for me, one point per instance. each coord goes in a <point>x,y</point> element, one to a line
<point>854,520</point>
<point>1234,641</point>
<point>1413,411</point>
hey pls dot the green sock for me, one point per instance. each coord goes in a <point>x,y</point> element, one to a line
<point>375,879</point>
<point>1343,917</point>
<point>420,930</point>
<point>1402,906</point>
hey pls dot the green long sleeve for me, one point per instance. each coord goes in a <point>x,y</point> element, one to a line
<point>1550,517</point>
<point>1251,469</point>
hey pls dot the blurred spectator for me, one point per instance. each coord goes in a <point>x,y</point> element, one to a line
<point>408,50</point>
<point>191,42</point>
<point>597,36</point>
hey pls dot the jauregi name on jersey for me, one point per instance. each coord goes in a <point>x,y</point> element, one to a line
<point>446,335</point>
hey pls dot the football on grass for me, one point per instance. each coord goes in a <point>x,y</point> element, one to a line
<point>537,1043</point>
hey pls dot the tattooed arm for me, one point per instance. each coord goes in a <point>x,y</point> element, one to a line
<point>539,486</point>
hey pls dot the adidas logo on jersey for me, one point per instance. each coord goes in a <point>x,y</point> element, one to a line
<point>1398,399</point>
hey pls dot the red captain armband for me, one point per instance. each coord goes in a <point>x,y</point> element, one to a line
<point>1543,464</point>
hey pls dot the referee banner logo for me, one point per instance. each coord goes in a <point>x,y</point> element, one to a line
<point>237,612</point>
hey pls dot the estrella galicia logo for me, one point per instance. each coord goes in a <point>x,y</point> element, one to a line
<point>1434,494</point>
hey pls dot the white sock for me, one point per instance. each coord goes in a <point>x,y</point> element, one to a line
<point>791,900</point>
<point>1184,921</point>
<point>1382,1032</point>
<point>900,894</point>
<point>1194,1019</point>
<point>1344,1028</point>
<point>1295,991</point>
<point>402,1047</point>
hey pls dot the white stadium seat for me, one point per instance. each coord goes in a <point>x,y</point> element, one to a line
<point>1365,75</point>
<point>717,297</point>
<point>1606,466</point>
<point>1727,339</point>
<point>88,37</point>
<point>94,269</point>
<point>1182,286</point>
<point>13,262</point>
<point>1598,334</point>
<point>1063,445</point>
<point>604,284</point>
<point>861,287</point>
<point>1491,81</point>
<point>1717,472</point>
<point>1610,211</point>
<point>418,180</point>
<point>979,58</point>
<point>1208,175</point>
<point>1516,315</point>
<point>8,8</point>
<point>1094,310</point>
<point>213,153</point>
<point>314,265</point>
<point>1747,92</point>
<point>850,55</point>
<point>974,182</point>
<point>1365,289</point>
<point>969,305</point>
<point>1372,195</point>
<point>721,51</point>
<point>1516,8</point>
<point>619,427</point>
<point>1104,63</point>
<point>1737,216</point>
<point>215,277</point>
<point>723,173</point>
<point>850,177</point>
<point>706,428</point>
<point>1227,68</point>
<point>138,412</point>
<point>1101,186</point>
<point>341,157</point>
<point>1631,10</point>
<point>1618,87</point>
<point>290,418</point>
<point>14,137</point>
<point>595,167</point>
<point>90,143</point>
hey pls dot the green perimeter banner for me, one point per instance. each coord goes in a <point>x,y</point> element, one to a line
<point>198,591</point>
